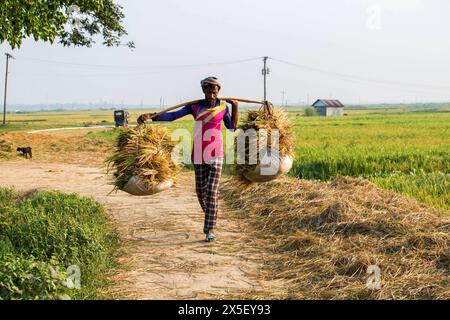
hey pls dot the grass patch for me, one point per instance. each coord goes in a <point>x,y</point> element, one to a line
<point>377,146</point>
<point>42,235</point>
<point>107,135</point>
<point>432,188</point>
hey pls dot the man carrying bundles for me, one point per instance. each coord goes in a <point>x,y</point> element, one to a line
<point>207,153</point>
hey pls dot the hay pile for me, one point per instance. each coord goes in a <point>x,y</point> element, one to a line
<point>262,119</point>
<point>323,237</point>
<point>6,149</point>
<point>144,152</point>
<point>68,148</point>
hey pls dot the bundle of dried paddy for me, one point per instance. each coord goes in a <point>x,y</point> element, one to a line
<point>268,120</point>
<point>143,154</point>
<point>324,237</point>
<point>5,148</point>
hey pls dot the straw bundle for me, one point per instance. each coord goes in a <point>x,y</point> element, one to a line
<point>269,120</point>
<point>5,149</point>
<point>144,152</point>
<point>323,237</point>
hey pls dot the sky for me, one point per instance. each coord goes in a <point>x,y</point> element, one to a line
<point>357,51</point>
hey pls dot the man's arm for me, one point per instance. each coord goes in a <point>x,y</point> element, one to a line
<point>231,121</point>
<point>168,116</point>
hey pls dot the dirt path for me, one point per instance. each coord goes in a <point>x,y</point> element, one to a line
<point>164,252</point>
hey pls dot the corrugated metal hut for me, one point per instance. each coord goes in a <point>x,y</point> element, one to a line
<point>329,108</point>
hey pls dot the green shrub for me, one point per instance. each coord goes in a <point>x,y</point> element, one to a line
<point>310,112</point>
<point>31,279</point>
<point>49,227</point>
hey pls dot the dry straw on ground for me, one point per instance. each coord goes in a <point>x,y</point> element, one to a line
<point>145,152</point>
<point>62,147</point>
<point>268,121</point>
<point>323,238</point>
<point>6,149</point>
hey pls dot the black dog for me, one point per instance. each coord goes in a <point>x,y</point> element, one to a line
<point>28,151</point>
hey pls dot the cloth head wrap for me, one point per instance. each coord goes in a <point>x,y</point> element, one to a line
<point>211,80</point>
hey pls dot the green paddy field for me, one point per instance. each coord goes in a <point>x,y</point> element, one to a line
<point>403,149</point>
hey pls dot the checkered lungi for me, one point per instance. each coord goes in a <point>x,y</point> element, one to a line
<point>207,178</point>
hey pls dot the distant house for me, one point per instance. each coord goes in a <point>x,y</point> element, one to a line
<point>329,108</point>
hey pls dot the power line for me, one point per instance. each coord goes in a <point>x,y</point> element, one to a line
<point>265,71</point>
<point>85,75</point>
<point>154,69</point>
<point>403,89</point>
<point>142,66</point>
<point>358,78</point>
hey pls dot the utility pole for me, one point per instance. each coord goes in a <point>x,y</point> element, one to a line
<point>265,72</point>
<point>8,56</point>
<point>283,93</point>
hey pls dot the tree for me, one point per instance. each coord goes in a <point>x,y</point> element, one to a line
<point>73,22</point>
<point>310,112</point>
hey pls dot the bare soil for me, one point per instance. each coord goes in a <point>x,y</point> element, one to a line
<point>163,252</point>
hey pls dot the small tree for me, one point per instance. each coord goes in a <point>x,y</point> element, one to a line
<point>74,22</point>
<point>310,112</point>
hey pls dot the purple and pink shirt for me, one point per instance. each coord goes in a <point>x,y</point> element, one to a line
<point>208,128</point>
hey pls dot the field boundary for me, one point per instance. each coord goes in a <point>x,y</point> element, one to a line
<point>70,128</point>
